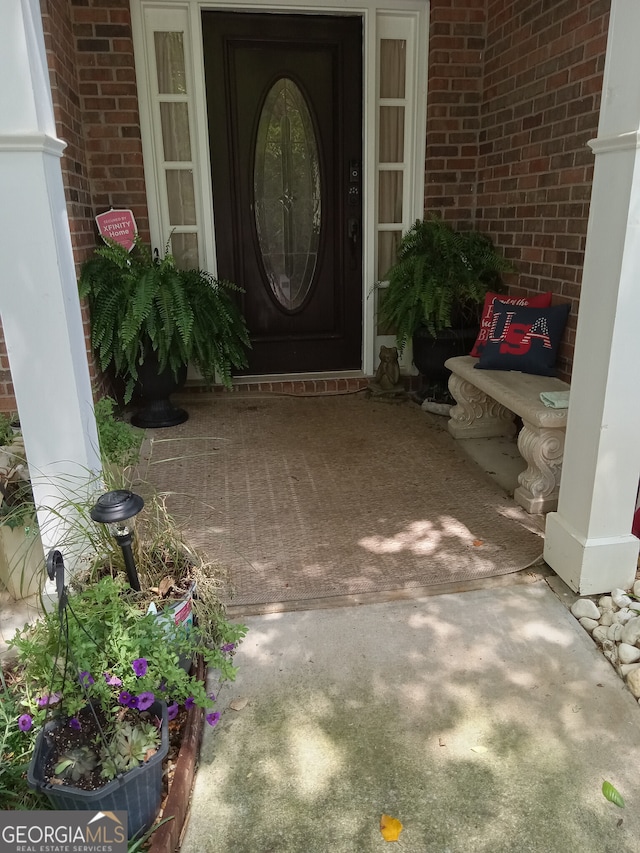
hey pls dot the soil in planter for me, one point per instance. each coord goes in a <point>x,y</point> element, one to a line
<point>66,740</point>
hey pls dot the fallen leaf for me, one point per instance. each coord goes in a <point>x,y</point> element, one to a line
<point>165,586</point>
<point>238,704</point>
<point>478,542</point>
<point>612,795</point>
<point>390,827</point>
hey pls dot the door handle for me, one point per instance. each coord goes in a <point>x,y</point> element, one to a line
<point>353,229</point>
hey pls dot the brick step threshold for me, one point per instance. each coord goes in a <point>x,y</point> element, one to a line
<point>338,385</point>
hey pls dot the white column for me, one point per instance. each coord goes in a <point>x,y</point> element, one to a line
<point>588,540</point>
<point>38,290</point>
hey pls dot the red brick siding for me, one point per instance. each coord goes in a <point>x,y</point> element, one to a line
<point>537,81</point>
<point>542,83</point>
<point>109,103</point>
<point>454,101</point>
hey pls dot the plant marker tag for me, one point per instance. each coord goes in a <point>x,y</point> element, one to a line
<point>119,226</point>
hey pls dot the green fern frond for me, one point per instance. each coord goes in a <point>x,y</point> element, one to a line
<point>438,273</point>
<point>138,302</point>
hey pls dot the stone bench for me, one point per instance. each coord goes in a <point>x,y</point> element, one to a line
<point>487,402</point>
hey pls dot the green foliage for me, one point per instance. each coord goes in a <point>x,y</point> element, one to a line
<point>17,508</point>
<point>106,651</point>
<point>6,430</point>
<point>138,302</point>
<point>15,751</point>
<point>129,748</point>
<point>137,844</point>
<point>119,441</point>
<point>76,763</point>
<point>440,275</point>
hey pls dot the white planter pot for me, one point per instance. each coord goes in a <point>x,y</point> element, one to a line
<point>22,565</point>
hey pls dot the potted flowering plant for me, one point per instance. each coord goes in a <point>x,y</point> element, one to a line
<point>101,680</point>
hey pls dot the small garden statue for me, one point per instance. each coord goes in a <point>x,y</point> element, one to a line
<point>386,382</point>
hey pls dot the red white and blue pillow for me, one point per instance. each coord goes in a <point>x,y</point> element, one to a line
<point>539,300</point>
<point>524,338</point>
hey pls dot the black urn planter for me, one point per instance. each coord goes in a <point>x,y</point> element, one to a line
<point>154,389</point>
<point>138,791</point>
<point>430,354</point>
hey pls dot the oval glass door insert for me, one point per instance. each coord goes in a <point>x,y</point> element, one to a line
<point>286,186</point>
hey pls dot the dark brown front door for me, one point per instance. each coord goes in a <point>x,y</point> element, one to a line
<point>284,99</point>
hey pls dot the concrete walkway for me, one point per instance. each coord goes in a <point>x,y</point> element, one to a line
<point>485,721</point>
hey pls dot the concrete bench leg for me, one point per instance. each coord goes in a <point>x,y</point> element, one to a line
<point>542,449</point>
<point>476,415</point>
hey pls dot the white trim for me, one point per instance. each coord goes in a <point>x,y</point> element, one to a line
<point>41,142</point>
<point>623,142</point>
<point>185,15</point>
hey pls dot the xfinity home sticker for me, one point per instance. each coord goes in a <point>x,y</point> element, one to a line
<point>118,225</point>
<point>63,832</point>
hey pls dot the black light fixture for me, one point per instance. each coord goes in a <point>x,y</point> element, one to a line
<point>116,509</point>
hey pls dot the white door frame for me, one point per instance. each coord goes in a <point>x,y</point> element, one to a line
<point>378,18</point>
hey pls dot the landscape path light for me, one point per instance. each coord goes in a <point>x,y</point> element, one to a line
<point>117,509</point>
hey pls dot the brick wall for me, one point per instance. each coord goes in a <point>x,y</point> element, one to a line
<point>538,87</point>
<point>454,100</point>
<point>109,105</point>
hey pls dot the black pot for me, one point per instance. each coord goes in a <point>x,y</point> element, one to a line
<point>430,354</point>
<point>138,791</point>
<point>154,390</point>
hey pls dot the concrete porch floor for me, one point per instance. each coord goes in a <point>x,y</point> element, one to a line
<point>485,721</point>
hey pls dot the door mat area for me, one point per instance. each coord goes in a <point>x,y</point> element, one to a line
<point>305,498</point>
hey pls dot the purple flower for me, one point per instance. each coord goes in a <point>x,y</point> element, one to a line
<point>145,700</point>
<point>212,696</point>
<point>189,703</point>
<point>213,718</point>
<point>112,680</point>
<point>140,666</point>
<point>48,700</point>
<point>125,697</point>
<point>228,647</point>
<point>74,723</point>
<point>86,679</point>
<point>133,702</point>
<point>25,722</point>
<point>172,710</point>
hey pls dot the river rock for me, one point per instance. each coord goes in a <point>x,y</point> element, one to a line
<point>608,618</point>
<point>585,608</point>
<point>626,668</point>
<point>614,632</point>
<point>623,616</point>
<point>627,653</point>
<point>620,598</point>
<point>605,603</point>
<point>599,634</point>
<point>633,682</point>
<point>636,589</point>
<point>590,624</point>
<point>631,631</point>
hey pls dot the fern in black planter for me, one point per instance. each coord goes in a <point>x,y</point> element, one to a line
<point>439,280</point>
<point>144,309</point>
